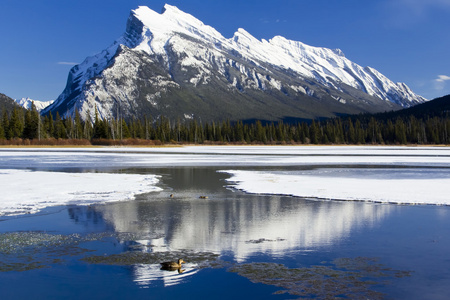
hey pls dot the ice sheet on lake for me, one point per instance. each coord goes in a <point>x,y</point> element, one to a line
<point>373,186</point>
<point>28,192</point>
<point>25,191</point>
<point>122,157</point>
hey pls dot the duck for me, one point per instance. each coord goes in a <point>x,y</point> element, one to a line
<point>172,265</point>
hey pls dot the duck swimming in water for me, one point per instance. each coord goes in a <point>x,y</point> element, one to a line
<point>172,265</point>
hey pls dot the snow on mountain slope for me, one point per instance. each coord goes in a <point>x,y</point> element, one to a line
<point>308,61</point>
<point>178,51</point>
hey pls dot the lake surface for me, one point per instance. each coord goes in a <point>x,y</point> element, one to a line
<point>235,244</point>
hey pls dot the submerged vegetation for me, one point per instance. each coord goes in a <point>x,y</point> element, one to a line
<point>27,127</point>
<point>347,278</point>
<point>351,278</point>
<point>200,259</point>
<point>23,251</point>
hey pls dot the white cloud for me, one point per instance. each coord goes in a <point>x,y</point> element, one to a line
<point>67,63</point>
<point>440,82</point>
<point>442,78</point>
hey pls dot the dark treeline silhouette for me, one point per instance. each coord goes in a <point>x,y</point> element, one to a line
<point>28,127</point>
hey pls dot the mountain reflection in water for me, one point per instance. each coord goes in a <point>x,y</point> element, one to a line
<point>241,226</point>
<point>229,222</point>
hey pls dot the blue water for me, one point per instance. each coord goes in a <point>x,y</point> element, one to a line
<point>240,228</point>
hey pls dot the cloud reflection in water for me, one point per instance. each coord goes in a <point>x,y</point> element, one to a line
<point>145,274</point>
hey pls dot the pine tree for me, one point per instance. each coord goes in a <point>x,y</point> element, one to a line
<point>16,124</point>
<point>78,130</point>
<point>314,133</point>
<point>400,131</point>
<point>125,130</point>
<point>260,133</point>
<point>351,133</point>
<point>32,125</point>
<point>5,124</point>
<point>28,130</point>
<point>239,129</point>
<point>69,126</point>
<point>59,130</point>
<point>2,132</point>
<point>359,132</point>
<point>48,125</point>
<point>101,128</point>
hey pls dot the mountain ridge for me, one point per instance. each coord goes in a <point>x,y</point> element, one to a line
<point>174,65</point>
<point>7,104</point>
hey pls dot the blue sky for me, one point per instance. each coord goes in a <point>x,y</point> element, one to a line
<point>406,40</point>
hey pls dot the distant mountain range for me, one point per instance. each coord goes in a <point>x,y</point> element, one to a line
<point>8,103</point>
<point>27,102</point>
<point>173,65</point>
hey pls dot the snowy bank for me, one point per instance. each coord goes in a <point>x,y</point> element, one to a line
<point>28,192</point>
<point>387,188</point>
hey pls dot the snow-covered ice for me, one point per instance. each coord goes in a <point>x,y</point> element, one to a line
<point>224,156</point>
<point>338,186</point>
<point>28,192</point>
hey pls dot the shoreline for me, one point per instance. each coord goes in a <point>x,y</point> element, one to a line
<point>220,145</point>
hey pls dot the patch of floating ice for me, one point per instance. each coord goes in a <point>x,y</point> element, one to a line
<point>28,192</point>
<point>390,189</point>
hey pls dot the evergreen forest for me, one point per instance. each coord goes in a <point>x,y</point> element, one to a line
<point>27,127</point>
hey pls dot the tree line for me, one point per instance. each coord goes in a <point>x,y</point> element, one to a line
<point>30,125</point>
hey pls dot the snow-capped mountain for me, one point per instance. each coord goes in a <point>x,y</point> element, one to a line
<point>27,102</point>
<point>172,64</point>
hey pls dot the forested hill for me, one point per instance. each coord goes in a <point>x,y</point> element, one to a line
<point>6,103</point>
<point>439,107</point>
<point>426,123</point>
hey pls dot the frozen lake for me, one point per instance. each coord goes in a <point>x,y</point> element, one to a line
<point>98,221</point>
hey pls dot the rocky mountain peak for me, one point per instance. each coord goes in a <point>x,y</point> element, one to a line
<point>172,64</point>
